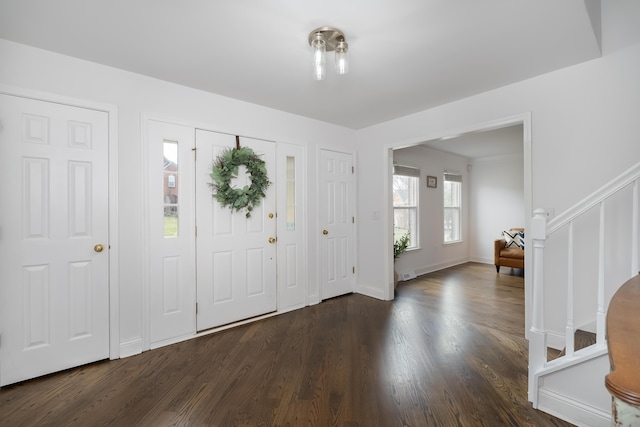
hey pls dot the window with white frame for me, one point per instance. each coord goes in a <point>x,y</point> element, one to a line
<point>405,203</point>
<point>452,191</point>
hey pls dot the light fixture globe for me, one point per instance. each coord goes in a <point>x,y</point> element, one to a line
<point>319,56</point>
<point>342,58</point>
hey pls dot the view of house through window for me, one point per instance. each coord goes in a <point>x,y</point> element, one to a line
<point>405,203</point>
<point>171,189</point>
<point>291,193</point>
<point>452,190</point>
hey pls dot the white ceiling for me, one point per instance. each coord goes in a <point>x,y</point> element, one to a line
<point>406,55</point>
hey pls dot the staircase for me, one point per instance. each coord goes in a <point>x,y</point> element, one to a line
<point>580,259</point>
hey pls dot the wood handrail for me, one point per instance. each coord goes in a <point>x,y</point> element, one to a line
<point>623,330</point>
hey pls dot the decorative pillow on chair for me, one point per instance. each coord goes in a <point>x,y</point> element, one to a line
<point>520,240</point>
<point>513,238</point>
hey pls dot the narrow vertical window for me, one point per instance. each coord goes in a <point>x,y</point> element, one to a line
<point>405,203</point>
<point>452,191</point>
<point>291,193</point>
<point>171,188</point>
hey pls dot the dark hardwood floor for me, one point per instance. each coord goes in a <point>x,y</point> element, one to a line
<point>449,351</point>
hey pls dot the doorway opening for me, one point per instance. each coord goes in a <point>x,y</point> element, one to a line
<point>489,142</point>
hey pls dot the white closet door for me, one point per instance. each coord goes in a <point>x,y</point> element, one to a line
<point>336,219</point>
<point>54,295</point>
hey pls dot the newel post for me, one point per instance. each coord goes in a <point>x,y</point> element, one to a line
<point>537,336</point>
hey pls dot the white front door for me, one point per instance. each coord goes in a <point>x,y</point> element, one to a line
<point>54,294</point>
<point>236,262</point>
<point>337,221</point>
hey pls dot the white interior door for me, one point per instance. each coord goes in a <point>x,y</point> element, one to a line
<point>54,294</point>
<point>172,281</point>
<point>236,263</point>
<point>337,222</point>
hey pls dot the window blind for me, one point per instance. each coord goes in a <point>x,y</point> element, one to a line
<point>452,177</point>
<point>406,171</point>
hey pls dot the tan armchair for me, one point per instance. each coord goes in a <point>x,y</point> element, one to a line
<point>512,256</point>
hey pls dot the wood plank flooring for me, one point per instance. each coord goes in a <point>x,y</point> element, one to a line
<point>449,351</point>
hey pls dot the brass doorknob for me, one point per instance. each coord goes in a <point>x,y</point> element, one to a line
<point>98,248</point>
<point>325,232</point>
<point>272,239</point>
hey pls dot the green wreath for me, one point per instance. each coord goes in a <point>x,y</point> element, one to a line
<point>225,168</point>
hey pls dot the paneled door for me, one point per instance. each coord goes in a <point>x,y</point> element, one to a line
<point>172,275</point>
<point>54,292</point>
<point>337,222</point>
<point>236,255</point>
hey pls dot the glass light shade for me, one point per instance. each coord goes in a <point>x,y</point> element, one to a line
<point>319,52</point>
<point>342,58</point>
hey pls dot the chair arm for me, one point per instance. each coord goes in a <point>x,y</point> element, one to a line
<point>498,245</point>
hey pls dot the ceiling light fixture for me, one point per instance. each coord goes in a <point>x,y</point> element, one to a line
<point>327,39</point>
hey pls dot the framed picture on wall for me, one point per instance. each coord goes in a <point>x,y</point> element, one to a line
<point>432,181</point>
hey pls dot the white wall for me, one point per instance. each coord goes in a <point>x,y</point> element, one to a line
<point>496,202</point>
<point>433,254</point>
<point>585,131</point>
<point>134,94</point>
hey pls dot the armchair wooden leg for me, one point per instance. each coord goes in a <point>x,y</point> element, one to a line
<point>497,269</point>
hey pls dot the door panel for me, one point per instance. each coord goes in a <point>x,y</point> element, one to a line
<point>292,283</point>
<point>236,264</point>
<point>336,218</point>
<point>172,298</point>
<point>54,298</point>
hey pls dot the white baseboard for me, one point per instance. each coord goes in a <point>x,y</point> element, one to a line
<point>571,410</point>
<point>440,266</point>
<point>131,347</point>
<point>370,292</point>
<point>481,260</point>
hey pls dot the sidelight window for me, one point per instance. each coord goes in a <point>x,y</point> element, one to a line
<point>171,188</point>
<point>291,193</point>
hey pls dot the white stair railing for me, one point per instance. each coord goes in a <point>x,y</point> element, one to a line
<point>540,232</point>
